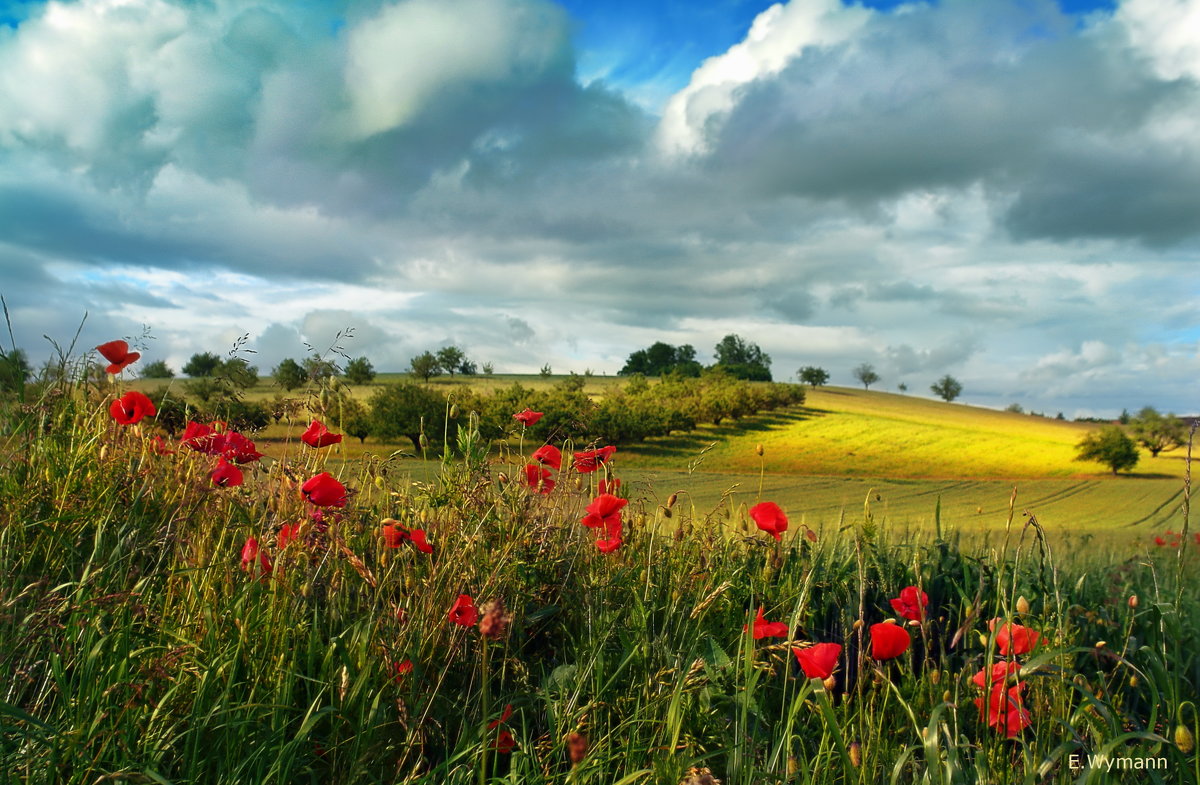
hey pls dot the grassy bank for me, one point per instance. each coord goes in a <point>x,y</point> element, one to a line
<point>145,647</point>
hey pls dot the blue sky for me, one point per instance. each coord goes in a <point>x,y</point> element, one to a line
<point>1006,191</point>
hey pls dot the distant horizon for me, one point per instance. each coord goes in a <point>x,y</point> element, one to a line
<point>1001,191</point>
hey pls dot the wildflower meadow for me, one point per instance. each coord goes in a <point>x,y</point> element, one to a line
<point>191,609</point>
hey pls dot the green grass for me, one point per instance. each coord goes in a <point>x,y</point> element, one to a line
<point>139,650</point>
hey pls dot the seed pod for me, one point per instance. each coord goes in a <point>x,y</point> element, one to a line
<point>1022,605</point>
<point>1184,739</point>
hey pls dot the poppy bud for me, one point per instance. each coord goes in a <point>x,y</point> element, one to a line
<point>1133,601</point>
<point>983,640</point>
<point>946,696</point>
<point>103,452</point>
<point>855,754</point>
<point>666,511</point>
<point>1022,605</point>
<point>758,450</point>
<point>379,482</point>
<point>424,442</point>
<point>829,683</point>
<point>424,515</point>
<point>1101,644</point>
<point>324,398</point>
<point>1133,681</point>
<point>672,499</point>
<point>858,623</point>
<point>793,765</point>
<point>577,747</point>
<point>1184,739</point>
<point>453,411</point>
<point>935,677</point>
<point>502,477</point>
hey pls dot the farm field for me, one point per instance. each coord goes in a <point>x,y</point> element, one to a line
<point>822,459</point>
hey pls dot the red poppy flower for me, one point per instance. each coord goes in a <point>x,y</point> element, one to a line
<point>590,460</point>
<point>131,407</point>
<point>538,478</point>
<point>549,455</point>
<point>767,629</point>
<point>463,612</point>
<point>819,660</point>
<point>1000,672</point>
<point>400,670</point>
<point>1003,710</point>
<point>287,533</point>
<point>160,447</point>
<point>418,539</point>
<point>888,640</point>
<point>911,603</point>
<point>118,355</point>
<point>318,436</point>
<point>527,417</point>
<point>505,716</point>
<point>1159,541</point>
<point>201,438</point>
<point>226,475</point>
<point>768,517</point>
<point>612,534</point>
<point>505,743</point>
<point>1013,639</point>
<point>606,504</point>
<point>251,553</point>
<point>324,490</point>
<point>609,487</point>
<point>235,447</point>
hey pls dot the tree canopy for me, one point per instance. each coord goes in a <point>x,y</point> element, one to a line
<point>947,388</point>
<point>1111,446</point>
<point>662,358</point>
<point>742,359</point>
<point>865,373</point>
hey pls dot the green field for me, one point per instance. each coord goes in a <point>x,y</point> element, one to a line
<point>822,459</point>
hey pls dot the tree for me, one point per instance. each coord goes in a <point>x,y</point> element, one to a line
<point>489,369</point>
<point>404,410</point>
<point>14,370</point>
<point>425,365</point>
<point>1157,432</point>
<point>157,370</point>
<point>662,358</point>
<point>451,358</point>
<point>360,371</point>
<point>317,367</point>
<point>202,364</point>
<point>546,371</point>
<point>865,373</point>
<point>1110,446</point>
<point>742,360</point>
<point>947,388</point>
<point>289,374</point>
<point>239,372</point>
<point>356,420</point>
<point>814,376</point>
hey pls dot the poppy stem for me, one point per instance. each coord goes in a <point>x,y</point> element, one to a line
<point>485,700</point>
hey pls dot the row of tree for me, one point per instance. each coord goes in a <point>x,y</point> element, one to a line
<point>734,355</point>
<point>1116,445</point>
<point>947,388</point>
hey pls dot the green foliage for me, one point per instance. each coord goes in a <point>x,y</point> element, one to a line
<point>947,388</point>
<point>14,370</point>
<point>866,375</point>
<point>546,371</point>
<point>662,358</point>
<point>742,359</point>
<point>425,365</point>
<point>489,369</point>
<point>1110,446</point>
<point>406,410</point>
<point>451,359</point>
<point>1157,432</point>
<point>813,376</point>
<point>157,370</point>
<point>360,371</point>
<point>202,364</point>
<point>356,420</point>
<point>289,374</point>
<point>317,367</point>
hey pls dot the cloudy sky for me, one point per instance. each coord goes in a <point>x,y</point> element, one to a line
<point>1004,190</point>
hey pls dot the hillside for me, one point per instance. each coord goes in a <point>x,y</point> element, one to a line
<point>843,432</point>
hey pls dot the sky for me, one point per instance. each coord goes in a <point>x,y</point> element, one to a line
<point>1007,191</point>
